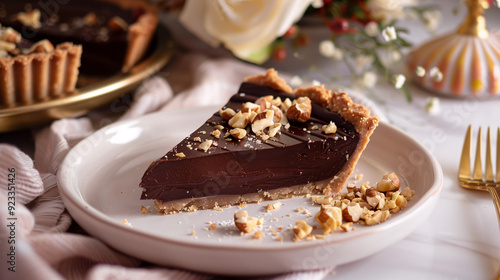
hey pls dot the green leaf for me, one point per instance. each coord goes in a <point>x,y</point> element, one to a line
<point>407,93</point>
<point>260,56</point>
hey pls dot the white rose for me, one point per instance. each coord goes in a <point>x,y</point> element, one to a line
<point>387,10</point>
<point>245,27</point>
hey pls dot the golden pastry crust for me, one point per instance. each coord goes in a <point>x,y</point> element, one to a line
<point>139,33</point>
<point>25,79</point>
<point>270,79</point>
<point>356,114</point>
<point>318,94</point>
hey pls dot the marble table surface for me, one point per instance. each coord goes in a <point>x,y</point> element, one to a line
<point>461,238</point>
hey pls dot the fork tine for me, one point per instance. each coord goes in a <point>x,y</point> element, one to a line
<point>464,168</point>
<point>497,163</point>
<point>477,173</point>
<point>488,172</point>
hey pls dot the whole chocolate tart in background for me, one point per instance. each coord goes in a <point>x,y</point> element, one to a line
<point>112,36</point>
<point>35,71</point>
<point>266,143</point>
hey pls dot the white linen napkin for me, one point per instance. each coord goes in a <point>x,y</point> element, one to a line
<point>43,247</point>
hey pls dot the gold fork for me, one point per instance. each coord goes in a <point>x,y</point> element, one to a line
<point>478,181</point>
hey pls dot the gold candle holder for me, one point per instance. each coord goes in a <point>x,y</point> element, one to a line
<point>474,23</point>
<point>468,58</point>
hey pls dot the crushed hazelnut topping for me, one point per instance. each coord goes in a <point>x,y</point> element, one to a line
<point>377,217</point>
<point>330,128</point>
<point>321,199</point>
<point>227,113</point>
<point>285,105</point>
<point>264,102</point>
<point>347,226</point>
<point>212,226</point>
<point>278,115</point>
<point>329,218</point>
<point>125,222</point>
<point>352,212</point>
<point>407,193</point>
<point>216,133</point>
<point>204,146</point>
<point>300,110</point>
<point>181,155</point>
<point>244,222</point>
<point>239,120</point>
<point>197,139</point>
<point>258,234</point>
<point>274,129</point>
<point>337,213</point>
<point>262,121</point>
<point>307,212</point>
<point>248,107</point>
<point>238,133</point>
<point>273,206</point>
<point>366,205</point>
<point>302,229</point>
<point>390,182</point>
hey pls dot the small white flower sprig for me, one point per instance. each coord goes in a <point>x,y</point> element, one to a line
<point>365,37</point>
<point>371,49</point>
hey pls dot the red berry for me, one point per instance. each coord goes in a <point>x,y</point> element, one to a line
<point>301,40</point>
<point>290,33</point>
<point>339,25</point>
<point>279,53</point>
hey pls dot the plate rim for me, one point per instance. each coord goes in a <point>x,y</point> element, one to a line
<point>93,95</point>
<point>89,210</point>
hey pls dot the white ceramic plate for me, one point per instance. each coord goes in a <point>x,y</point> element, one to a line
<point>99,185</point>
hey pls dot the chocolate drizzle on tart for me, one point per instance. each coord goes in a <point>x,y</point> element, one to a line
<point>286,157</point>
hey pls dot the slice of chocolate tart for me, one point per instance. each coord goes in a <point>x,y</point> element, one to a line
<point>266,143</point>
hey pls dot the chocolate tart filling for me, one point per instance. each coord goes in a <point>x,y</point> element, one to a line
<point>298,155</point>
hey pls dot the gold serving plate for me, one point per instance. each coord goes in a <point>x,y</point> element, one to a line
<point>93,95</point>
